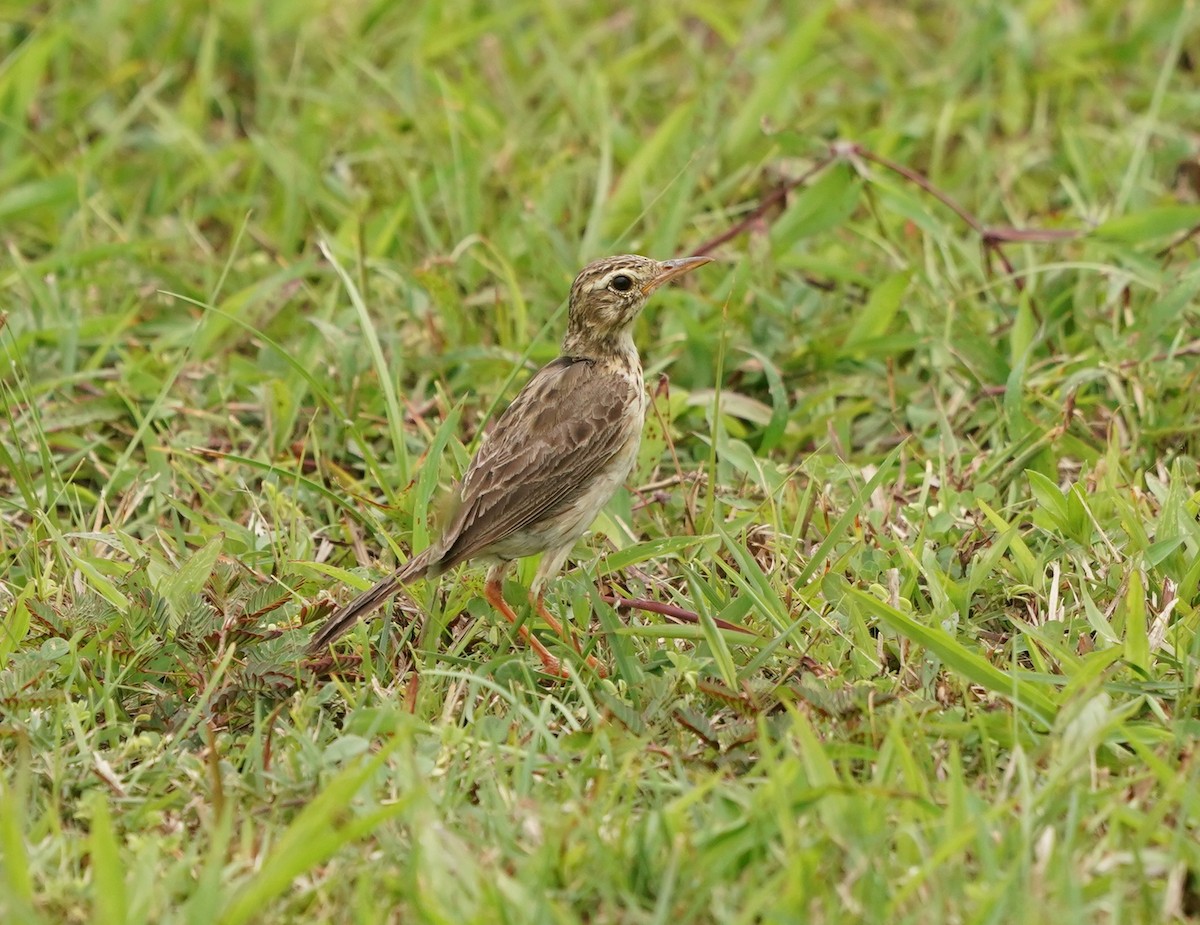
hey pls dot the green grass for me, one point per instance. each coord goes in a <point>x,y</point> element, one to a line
<point>267,270</point>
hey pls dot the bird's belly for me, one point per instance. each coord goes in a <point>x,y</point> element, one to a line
<point>567,525</point>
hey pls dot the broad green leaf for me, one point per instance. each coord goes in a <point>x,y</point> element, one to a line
<point>957,657</point>
<point>108,877</point>
<point>1160,550</point>
<point>654,437</point>
<point>15,874</point>
<point>1023,332</point>
<point>38,196</point>
<point>1151,223</point>
<point>16,624</point>
<point>733,403</point>
<point>874,318</point>
<point>652,549</point>
<point>1137,642</point>
<point>189,580</point>
<point>1022,555</point>
<point>712,633</point>
<point>774,430</point>
<point>1049,496</point>
<point>823,205</point>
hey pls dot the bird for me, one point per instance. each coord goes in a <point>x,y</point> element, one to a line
<point>552,460</point>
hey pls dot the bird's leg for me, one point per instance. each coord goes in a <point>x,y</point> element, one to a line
<point>551,564</point>
<point>494,592</point>
<point>537,598</point>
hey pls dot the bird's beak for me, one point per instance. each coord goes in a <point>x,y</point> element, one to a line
<point>673,268</point>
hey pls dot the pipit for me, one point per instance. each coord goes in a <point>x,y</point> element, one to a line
<point>554,458</point>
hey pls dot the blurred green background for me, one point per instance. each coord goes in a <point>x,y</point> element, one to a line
<point>266,270</point>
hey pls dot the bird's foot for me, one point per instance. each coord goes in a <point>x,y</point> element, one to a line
<point>564,633</point>
<point>494,593</point>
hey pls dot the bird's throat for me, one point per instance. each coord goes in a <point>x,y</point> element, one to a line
<point>615,347</point>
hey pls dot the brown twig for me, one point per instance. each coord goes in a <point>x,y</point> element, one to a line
<point>994,237</point>
<point>771,199</point>
<point>670,611</point>
<point>991,239</point>
<point>851,150</point>
<point>1187,350</point>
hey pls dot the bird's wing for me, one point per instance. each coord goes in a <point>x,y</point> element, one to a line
<point>563,428</point>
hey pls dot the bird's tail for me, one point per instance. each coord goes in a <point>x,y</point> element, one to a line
<point>343,619</point>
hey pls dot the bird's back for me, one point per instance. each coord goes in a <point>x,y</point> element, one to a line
<point>550,463</point>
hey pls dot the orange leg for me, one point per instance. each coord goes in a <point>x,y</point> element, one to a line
<point>539,604</point>
<point>494,592</point>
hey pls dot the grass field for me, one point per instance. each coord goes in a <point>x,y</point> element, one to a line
<point>928,429</point>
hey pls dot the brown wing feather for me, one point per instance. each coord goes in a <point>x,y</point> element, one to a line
<point>563,428</point>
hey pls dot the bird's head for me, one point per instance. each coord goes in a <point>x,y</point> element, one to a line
<point>609,294</point>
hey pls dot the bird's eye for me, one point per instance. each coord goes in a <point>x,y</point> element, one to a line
<point>621,283</point>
